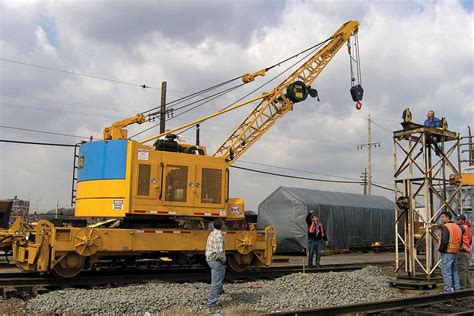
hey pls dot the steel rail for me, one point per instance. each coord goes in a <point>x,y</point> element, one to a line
<point>97,278</point>
<point>393,305</point>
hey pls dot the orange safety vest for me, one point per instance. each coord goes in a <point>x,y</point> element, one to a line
<point>455,237</point>
<point>466,239</point>
<point>312,229</point>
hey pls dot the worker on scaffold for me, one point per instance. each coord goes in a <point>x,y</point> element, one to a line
<point>316,235</point>
<point>432,121</point>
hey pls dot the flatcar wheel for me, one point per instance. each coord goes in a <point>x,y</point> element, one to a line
<point>69,266</point>
<point>238,262</point>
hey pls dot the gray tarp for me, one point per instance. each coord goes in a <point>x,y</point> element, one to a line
<point>350,219</point>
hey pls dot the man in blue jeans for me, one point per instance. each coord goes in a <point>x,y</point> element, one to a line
<point>316,236</point>
<point>449,246</point>
<point>215,257</point>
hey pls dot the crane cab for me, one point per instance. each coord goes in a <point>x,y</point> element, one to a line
<point>118,178</point>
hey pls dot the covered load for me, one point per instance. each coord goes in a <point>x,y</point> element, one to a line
<point>350,219</point>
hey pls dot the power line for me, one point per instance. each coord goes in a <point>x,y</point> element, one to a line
<point>34,143</point>
<point>65,102</point>
<point>382,127</point>
<point>291,169</point>
<point>43,132</point>
<point>237,167</point>
<point>296,177</point>
<point>305,178</point>
<point>144,86</point>
<point>54,110</point>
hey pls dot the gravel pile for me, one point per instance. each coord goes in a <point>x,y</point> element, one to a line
<point>291,292</point>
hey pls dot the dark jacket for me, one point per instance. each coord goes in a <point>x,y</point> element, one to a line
<point>322,234</point>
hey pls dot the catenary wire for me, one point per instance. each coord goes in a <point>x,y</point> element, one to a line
<point>306,178</point>
<point>81,74</point>
<point>43,132</point>
<point>34,143</point>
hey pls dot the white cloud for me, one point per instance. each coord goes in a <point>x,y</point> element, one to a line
<point>414,53</point>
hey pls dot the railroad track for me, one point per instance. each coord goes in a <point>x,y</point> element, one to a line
<point>456,303</point>
<point>115,278</point>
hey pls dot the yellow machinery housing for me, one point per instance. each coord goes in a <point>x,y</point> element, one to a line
<point>155,201</point>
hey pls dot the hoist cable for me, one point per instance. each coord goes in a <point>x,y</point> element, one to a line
<point>200,92</point>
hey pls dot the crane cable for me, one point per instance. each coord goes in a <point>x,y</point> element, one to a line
<point>312,49</point>
<point>200,92</point>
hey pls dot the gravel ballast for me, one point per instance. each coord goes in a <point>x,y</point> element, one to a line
<point>291,292</point>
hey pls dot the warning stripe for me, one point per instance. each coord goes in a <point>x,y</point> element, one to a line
<point>156,231</point>
<point>155,212</point>
<point>206,214</point>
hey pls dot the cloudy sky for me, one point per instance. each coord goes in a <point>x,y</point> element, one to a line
<point>416,54</point>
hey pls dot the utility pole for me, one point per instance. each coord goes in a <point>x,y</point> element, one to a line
<point>369,146</point>
<point>57,208</point>
<point>364,179</point>
<point>163,107</point>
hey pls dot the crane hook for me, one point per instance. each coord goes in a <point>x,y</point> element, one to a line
<point>358,105</point>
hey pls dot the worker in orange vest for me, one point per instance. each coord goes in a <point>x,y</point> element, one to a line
<point>464,252</point>
<point>316,235</point>
<point>449,246</point>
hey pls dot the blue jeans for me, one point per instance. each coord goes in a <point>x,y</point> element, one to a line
<point>449,270</point>
<point>314,249</point>
<point>217,281</point>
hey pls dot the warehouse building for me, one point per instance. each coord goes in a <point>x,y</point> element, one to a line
<point>350,219</point>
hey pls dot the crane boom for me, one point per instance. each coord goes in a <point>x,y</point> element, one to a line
<point>276,104</point>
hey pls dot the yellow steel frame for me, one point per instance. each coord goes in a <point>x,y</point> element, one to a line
<point>51,244</point>
<point>275,105</point>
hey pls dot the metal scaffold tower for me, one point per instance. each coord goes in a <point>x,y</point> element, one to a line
<point>424,160</point>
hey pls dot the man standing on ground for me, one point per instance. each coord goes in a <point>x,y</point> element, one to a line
<point>465,252</point>
<point>215,257</point>
<point>316,236</point>
<point>449,245</point>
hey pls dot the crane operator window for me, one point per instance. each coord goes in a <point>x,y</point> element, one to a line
<point>211,186</point>
<point>176,183</point>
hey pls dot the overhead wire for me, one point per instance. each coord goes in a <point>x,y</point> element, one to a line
<point>236,167</point>
<point>56,110</point>
<point>292,169</point>
<point>34,143</point>
<point>306,178</point>
<point>305,171</point>
<point>81,74</point>
<point>43,132</point>
<point>65,102</point>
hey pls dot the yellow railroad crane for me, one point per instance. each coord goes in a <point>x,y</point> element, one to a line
<point>160,198</point>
